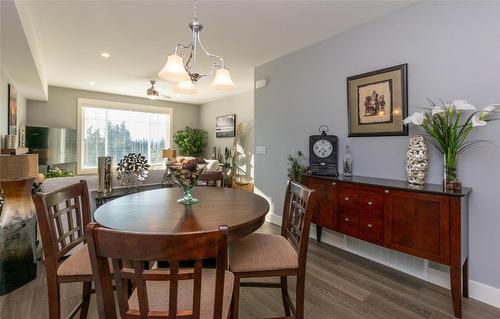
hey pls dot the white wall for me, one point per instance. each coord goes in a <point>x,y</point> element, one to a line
<point>452,50</point>
<point>243,106</point>
<point>61,108</point>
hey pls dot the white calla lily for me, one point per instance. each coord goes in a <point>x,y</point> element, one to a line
<point>463,105</point>
<point>476,121</point>
<point>491,108</point>
<point>416,119</point>
<point>437,110</point>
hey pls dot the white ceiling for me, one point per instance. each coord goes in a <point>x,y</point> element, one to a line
<point>140,34</point>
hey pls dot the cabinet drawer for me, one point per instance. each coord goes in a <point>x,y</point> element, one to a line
<point>371,203</point>
<point>371,228</point>
<point>348,224</point>
<point>347,200</point>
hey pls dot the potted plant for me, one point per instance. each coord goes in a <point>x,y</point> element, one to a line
<point>191,141</point>
<point>297,167</point>
<point>447,127</point>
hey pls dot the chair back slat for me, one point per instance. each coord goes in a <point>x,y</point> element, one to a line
<point>137,249</point>
<point>62,216</point>
<point>300,203</point>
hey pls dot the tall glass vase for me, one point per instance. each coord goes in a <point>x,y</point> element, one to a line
<point>451,180</point>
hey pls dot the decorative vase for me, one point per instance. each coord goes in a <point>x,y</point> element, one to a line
<point>417,160</point>
<point>186,173</point>
<point>105,174</point>
<point>450,176</point>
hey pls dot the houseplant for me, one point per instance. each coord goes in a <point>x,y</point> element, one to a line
<point>191,141</point>
<point>447,127</point>
<point>296,167</point>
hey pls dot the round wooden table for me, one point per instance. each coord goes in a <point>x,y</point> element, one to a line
<point>156,211</point>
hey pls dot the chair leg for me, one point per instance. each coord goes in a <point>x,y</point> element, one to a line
<point>235,303</point>
<point>54,298</point>
<point>299,297</point>
<point>87,287</point>
<point>284,294</point>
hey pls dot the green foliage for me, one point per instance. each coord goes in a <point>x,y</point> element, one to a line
<point>191,141</point>
<point>296,167</point>
<point>57,172</point>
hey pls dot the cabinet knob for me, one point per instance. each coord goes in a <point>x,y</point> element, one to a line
<point>387,191</point>
<point>370,203</point>
<point>333,183</point>
<point>346,219</point>
<point>346,199</point>
<point>370,225</point>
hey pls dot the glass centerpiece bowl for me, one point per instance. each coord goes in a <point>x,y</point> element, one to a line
<point>185,172</point>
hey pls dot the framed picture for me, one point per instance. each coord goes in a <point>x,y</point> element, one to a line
<point>225,126</point>
<point>377,102</point>
<point>12,110</point>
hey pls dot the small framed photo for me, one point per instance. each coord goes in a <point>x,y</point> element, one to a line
<point>12,110</point>
<point>377,102</point>
<point>225,126</point>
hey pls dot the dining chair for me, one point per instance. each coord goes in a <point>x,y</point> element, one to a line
<point>212,179</point>
<point>169,293</point>
<point>62,216</point>
<point>270,255</point>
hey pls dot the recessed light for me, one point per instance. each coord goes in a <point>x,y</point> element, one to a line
<point>91,82</point>
<point>105,55</point>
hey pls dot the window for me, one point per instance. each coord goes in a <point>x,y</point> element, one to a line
<point>116,129</point>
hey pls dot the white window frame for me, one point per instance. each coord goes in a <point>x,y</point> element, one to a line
<point>112,105</point>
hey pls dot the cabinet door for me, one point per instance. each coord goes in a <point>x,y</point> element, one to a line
<point>325,215</point>
<point>418,224</point>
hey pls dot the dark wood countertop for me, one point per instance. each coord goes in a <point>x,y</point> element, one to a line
<point>396,184</point>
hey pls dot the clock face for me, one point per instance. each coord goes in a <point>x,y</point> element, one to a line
<point>322,148</point>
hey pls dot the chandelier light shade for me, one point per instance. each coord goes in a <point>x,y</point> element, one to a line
<point>181,66</point>
<point>186,87</point>
<point>174,69</point>
<point>222,80</point>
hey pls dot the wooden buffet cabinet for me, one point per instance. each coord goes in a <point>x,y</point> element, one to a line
<point>426,222</point>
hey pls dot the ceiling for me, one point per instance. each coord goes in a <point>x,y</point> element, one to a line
<point>71,35</point>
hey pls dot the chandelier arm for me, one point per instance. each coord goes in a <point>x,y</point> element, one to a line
<point>210,54</point>
<point>176,51</point>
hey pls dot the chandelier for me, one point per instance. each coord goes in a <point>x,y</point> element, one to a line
<point>185,72</point>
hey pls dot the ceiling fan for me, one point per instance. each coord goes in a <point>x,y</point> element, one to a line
<point>153,93</point>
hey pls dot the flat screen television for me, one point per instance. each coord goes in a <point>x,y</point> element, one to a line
<point>53,145</point>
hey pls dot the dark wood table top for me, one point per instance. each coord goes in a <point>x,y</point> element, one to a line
<point>156,211</point>
<point>397,185</point>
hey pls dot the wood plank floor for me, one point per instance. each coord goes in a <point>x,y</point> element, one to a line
<point>338,285</point>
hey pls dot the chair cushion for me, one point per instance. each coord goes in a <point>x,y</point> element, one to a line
<point>78,264</point>
<point>158,294</point>
<point>262,252</point>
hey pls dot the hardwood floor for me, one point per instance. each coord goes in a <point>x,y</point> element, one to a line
<point>338,285</point>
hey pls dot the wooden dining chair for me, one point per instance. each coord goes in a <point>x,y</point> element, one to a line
<point>168,293</point>
<point>269,255</point>
<point>62,216</point>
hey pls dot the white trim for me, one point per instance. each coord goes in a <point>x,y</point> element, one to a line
<point>479,291</point>
<point>83,102</point>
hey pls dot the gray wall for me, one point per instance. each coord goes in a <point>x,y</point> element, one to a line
<point>453,51</point>
<point>243,106</point>
<point>21,105</point>
<point>61,108</point>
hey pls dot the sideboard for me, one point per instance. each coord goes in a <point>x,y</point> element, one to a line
<point>424,221</point>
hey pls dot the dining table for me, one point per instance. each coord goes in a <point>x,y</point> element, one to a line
<point>156,211</point>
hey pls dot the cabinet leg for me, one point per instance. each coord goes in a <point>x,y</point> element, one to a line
<point>319,232</point>
<point>456,289</point>
<point>465,278</point>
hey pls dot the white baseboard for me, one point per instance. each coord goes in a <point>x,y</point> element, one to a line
<point>477,290</point>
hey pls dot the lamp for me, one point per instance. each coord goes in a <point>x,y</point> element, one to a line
<point>174,69</point>
<point>167,176</point>
<point>186,73</point>
<point>186,87</point>
<point>222,80</point>
<point>18,220</point>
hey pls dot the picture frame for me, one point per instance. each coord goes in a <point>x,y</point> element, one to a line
<point>377,102</point>
<point>12,110</point>
<point>225,126</point>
